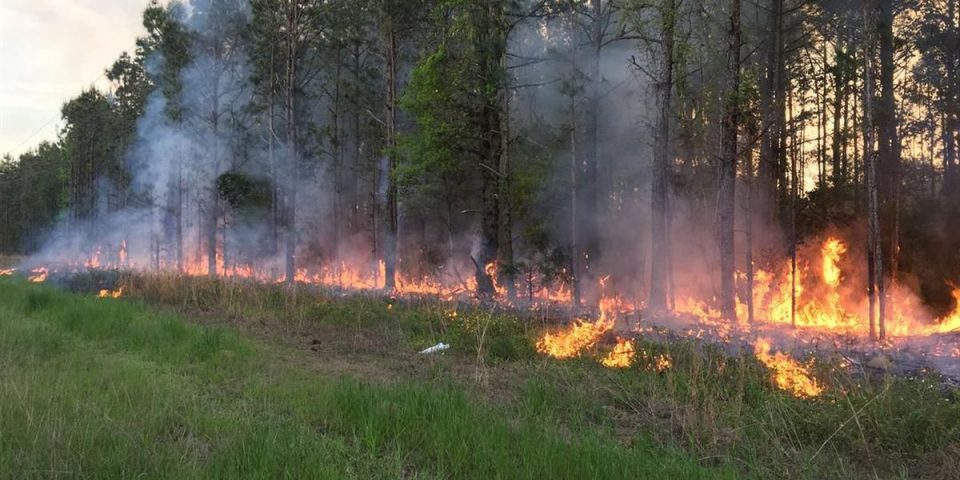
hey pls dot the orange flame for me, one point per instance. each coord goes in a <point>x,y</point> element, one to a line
<point>7,272</point>
<point>110,293</point>
<point>662,363</point>
<point>581,335</point>
<point>789,375</point>
<point>621,356</point>
<point>39,275</point>
<point>833,249</point>
<point>659,364</point>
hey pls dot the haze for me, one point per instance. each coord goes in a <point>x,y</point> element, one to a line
<point>50,51</point>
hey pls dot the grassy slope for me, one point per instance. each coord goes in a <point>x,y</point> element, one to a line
<point>108,389</point>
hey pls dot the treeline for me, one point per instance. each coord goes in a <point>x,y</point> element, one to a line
<point>567,140</point>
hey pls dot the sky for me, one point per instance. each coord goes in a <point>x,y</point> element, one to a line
<point>50,50</point>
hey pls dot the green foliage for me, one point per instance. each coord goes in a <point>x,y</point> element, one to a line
<point>32,191</point>
<point>431,98</point>
<point>244,193</point>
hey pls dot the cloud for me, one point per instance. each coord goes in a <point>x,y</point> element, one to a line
<point>50,51</point>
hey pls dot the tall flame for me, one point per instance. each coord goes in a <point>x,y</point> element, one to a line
<point>833,249</point>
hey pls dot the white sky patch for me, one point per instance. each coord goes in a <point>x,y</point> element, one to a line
<point>50,50</point>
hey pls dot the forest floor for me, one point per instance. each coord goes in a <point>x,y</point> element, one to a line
<point>197,378</point>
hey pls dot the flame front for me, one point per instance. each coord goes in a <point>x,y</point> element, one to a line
<point>571,342</point>
<point>581,335</point>
<point>789,374</point>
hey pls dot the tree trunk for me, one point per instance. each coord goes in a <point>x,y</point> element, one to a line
<point>795,179</point>
<point>749,214</point>
<point>874,252</point>
<point>950,167</point>
<point>491,47</point>
<point>728,170</point>
<point>660,236</point>
<point>388,167</point>
<point>338,163</point>
<point>575,226</point>
<point>837,170</point>
<point>888,180</point>
<point>293,24</point>
<point>213,207</point>
<point>508,269</point>
<point>590,211</point>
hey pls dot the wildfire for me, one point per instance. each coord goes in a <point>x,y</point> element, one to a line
<point>621,356</point>
<point>110,293</point>
<point>7,272</point>
<point>39,275</point>
<point>789,374</point>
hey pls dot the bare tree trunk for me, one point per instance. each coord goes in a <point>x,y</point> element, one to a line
<point>388,173</point>
<point>508,269</point>
<point>838,96</point>
<point>794,192</point>
<point>950,167</point>
<point>338,163</point>
<point>274,175</point>
<point>590,211</point>
<point>213,212</point>
<point>292,44</point>
<point>660,235</point>
<point>179,212</point>
<point>749,214</point>
<point>874,253</point>
<point>728,170</point>
<point>574,177</point>
<point>574,237</point>
<point>888,179</point>
<point>492,49</point>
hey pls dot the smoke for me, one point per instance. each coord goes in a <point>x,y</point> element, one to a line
<point>202,151</point>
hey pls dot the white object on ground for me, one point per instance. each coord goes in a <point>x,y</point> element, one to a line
<point>436,348</point>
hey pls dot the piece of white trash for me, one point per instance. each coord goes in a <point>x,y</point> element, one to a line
<point>436,348</point>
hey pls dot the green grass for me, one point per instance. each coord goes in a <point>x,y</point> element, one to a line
<point>112,389</point>
<point>722,409</point>
<point>118,388</point>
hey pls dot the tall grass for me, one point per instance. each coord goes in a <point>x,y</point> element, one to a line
<point>109,389</point>
<point>721,410</point>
